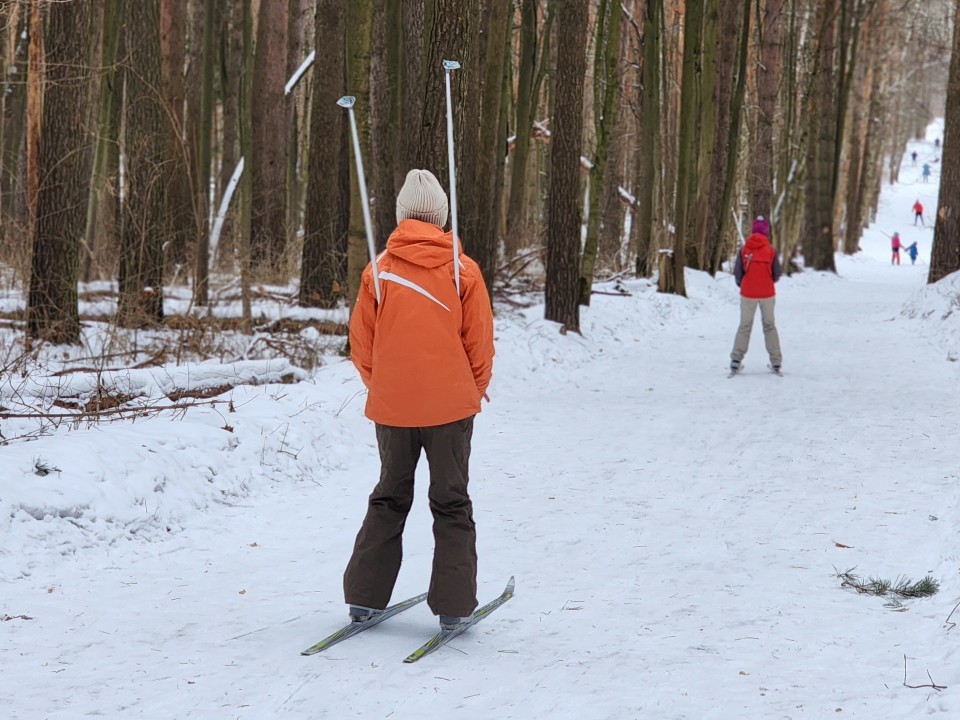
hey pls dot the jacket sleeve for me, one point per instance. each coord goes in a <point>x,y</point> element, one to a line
<point>776,267</point>
<point>738,268</point>
<point>363,322</point>
<point>477,330</point>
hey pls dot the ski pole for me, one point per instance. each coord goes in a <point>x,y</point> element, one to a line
<point>448,67</point>
<point>348,101</point>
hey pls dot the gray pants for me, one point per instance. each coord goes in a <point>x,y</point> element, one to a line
<point>748,310</point>
<point>373,568</point>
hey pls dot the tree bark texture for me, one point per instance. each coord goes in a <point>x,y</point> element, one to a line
<point>564,202</point>
<point>66,158</point>
<point>607,65</point>
<point>818,246</point>
<point>768,78</point>
<point>649,177</point>
<point>177,178</point>
<point>268,217</point>
<point>945,254</point>
<point>143,237</point>
<point>322,282</point>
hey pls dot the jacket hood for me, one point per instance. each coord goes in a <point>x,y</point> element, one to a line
<point>756,241</point>
<point>422,244</point>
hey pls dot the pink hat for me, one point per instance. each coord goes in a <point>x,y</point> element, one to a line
<point>761,226</point>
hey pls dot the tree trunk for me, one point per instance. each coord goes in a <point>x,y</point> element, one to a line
<point>201,285</point>
<point>15,103</point>
<point>270,140</point>
<point>767,72</point>
<point>412,79</point>
<point>142,239</point>
<point>945,254</point>
<point>687,163</point>
<point>649,176</point>
<point>607,61</point>
<point>359,37</point>
<point>103,202</point>
<point>729,89</point>
<point>295,57</point>
<point>526,107</point>
<point>245,116</point>
<point>34,111</point>
<point>484,243</point>
<point>716,57</point>
<point>65,162</point>
<point>821,155</point>
<point>231,64</point>
<point>385,109</point>
<point>322,283</point>
<point>564,211</point>
<point>180,212</point>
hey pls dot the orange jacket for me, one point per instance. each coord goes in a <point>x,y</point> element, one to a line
<point>425,355</point>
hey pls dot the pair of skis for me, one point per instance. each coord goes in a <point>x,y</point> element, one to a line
<point>434,643</point>
<point>775,371</point>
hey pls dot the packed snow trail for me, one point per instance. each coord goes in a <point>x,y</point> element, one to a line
<point>675,535</point>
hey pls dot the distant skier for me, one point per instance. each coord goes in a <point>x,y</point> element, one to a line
<point>895,246</point>
<point>918,213</point>
<point>937,142</point>
<point>756,270</point>
<point>913,156</point>
<point>926,172</point>
<point>912,252</point>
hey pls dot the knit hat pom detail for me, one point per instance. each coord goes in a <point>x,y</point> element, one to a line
<point>761,226</point>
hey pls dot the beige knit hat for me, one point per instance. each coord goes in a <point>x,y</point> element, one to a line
<point>422,198</point>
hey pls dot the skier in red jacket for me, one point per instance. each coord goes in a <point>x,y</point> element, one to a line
<point>918,213</point>
<point>756,270</point>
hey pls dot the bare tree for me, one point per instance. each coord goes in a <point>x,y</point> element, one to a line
<point>142,240</point>
<point>268,163</point>
<point>66,158</point>
<point>564,204</point>
<point>945,255</point>
<point>323,267</point>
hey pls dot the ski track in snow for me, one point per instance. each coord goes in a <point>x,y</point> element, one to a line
<point>674,533</point>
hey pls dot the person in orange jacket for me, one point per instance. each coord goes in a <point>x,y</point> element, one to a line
<point>918,213</point>
<point>425,354</point>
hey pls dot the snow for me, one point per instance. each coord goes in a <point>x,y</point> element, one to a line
<point>675,535</point>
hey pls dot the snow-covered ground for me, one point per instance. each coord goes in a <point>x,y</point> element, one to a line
<point>675,535</point>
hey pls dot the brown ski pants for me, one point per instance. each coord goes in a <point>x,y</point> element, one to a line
<point>378,552</point>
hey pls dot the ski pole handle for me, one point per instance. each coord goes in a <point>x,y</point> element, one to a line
<point>448,67</point>
<point>347,102</point>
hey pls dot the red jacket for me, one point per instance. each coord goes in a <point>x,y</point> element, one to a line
<point>757,268</point>
<point>917,207</point>
<point>425,355</point>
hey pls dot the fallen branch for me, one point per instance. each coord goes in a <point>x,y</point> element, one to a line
<point>615,294</point>
<point>932,684</point>
<point>951,625</point>
<point>155,360</point>
<point>111,411</point>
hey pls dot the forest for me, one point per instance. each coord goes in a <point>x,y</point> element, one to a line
<point>196,147</point>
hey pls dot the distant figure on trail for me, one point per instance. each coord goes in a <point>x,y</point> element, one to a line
<point>756,270</point>
<point>913,156</point>
<point>936,142</point>
<point>926,172</point>
<point>918,213</point>
<point>895,246</point>
<point>912,252</point>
